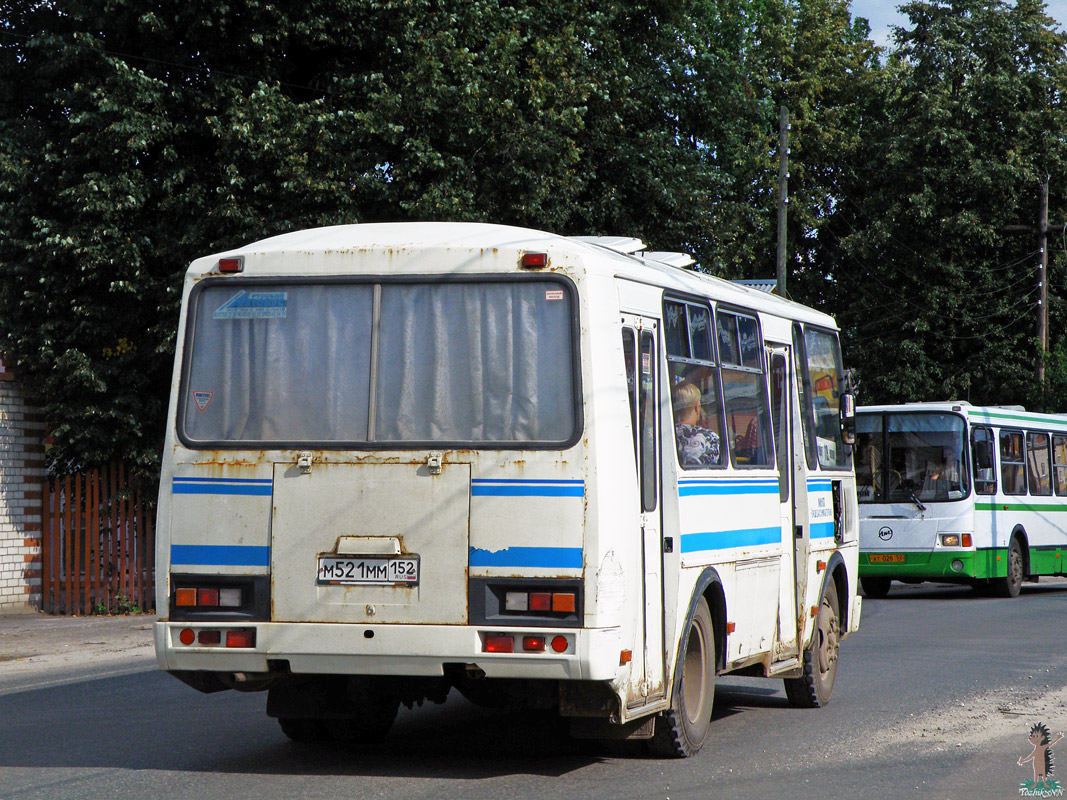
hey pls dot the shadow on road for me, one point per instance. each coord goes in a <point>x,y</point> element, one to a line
<point>150,721</point>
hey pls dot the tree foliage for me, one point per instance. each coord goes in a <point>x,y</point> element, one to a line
<point>136,135</point>
<point>937,298</point>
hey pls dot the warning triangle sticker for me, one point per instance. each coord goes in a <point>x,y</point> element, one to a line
<point>202,399</point>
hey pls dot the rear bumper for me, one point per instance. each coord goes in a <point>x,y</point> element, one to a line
<point>398,650</point>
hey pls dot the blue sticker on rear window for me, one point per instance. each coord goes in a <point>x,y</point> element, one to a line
<point>253,305</point>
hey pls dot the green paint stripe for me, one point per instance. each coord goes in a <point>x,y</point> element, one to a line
<point>1036,419</point>
<point>1044,507</point>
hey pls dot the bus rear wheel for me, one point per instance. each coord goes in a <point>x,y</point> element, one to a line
<point>814,687</point>
<point>681,730</point>
<point>1011,584</point>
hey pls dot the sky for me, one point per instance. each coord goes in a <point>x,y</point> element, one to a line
<point>882,14</point>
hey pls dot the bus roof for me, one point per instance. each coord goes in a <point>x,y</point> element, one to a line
<point>1014,416</point>
<point>593,255</point>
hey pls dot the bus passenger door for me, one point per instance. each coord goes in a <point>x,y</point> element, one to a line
<point>782,402</point>
<point>642,368</point>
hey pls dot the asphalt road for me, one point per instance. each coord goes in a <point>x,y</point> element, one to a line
<point>935,697</point>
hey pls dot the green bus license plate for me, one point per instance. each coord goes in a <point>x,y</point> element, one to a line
<point>369,570</point>
<point>887,558</point>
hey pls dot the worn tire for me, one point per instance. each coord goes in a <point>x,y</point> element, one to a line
<point>875,588</point>
<point>681,730</point>
<point>814,687</point>
<point>1011,584</point>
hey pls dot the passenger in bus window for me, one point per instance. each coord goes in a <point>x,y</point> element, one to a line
<point>697,446</point>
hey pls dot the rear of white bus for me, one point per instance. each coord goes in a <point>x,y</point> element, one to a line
<point>373,487</point>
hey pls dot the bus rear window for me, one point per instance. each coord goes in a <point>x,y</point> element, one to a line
<point>333,364</point>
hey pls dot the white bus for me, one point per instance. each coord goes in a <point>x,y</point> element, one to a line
<point>409,458</point>
<point>959,493</point>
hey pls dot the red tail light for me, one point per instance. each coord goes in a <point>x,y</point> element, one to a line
<point>497,643</point>
<point>241,638</point>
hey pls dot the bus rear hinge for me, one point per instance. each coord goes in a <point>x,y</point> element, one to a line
<point>433,463</point>
<point>303,462</point>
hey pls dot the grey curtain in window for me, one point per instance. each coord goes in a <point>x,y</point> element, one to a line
<point>475,362</point>
<point>458,362</point>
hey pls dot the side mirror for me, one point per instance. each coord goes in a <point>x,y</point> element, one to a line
<point>848,418</point>
<point>983,455</point>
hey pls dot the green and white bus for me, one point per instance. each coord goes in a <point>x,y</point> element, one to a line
<point>954,492</point>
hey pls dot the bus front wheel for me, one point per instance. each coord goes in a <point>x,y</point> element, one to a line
<point>814,687</point>
<point>1011,584</point>
<point>876,588</point>
<point>682,729</point>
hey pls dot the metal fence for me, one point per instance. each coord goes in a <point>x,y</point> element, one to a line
<point>98,544</point>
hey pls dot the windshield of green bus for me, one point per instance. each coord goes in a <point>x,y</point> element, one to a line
<point>910,457</point>
<point>335,364</point>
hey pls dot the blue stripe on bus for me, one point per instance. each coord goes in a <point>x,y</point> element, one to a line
<point>819,486</point>
<point>228,486</point>
<point>220,555</point>
<point>723,540</point>
<point>557,557</point>
<point>525,480</point>
<point>821,530</point>
<point>485,488</point>
<point>690,489</point>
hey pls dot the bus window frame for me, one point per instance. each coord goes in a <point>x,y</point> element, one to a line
<point>1048,455</point>
<point>185,389</point>
<point>994,467</point>
<point>806,393</point>
<point>1001,434</point>
<point>705,304</point>
<point>1056,485</point>
<point>767,431</point>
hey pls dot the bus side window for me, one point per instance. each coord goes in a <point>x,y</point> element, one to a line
<point>1012,474</point>
<point>695,398</point>
<point>1059,464</point>
<point>745,389</point>
<point>629,353</point>
<point>1038,471</point>
<point>985,475</point>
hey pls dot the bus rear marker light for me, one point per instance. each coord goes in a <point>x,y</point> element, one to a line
<point>625,657</point>
<point>241,638</point>
<point>560,644</point>
<point>499,643</point>
<point>563,601</point>
<point>533,643</point>
<point>187,636</point>
<point>534,260</point>
<point>232,264</point>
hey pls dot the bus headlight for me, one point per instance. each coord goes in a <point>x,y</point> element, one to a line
<point>950,540</point>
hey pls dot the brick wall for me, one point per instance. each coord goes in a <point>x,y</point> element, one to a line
<point>21,473</point>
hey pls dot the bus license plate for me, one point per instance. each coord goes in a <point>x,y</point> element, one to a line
<point>887,558</point>
<point>369,570</point>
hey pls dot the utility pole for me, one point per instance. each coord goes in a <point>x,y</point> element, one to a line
<point>1042,230</point>
<point>783,198</point>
